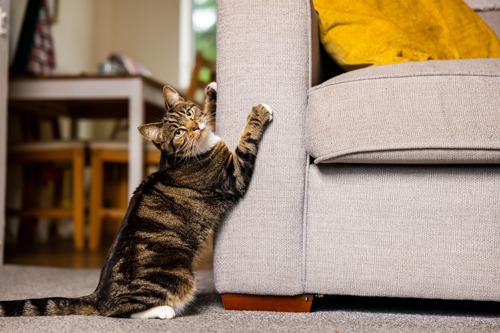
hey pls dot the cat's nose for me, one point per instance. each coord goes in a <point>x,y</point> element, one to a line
<point>192,125</point>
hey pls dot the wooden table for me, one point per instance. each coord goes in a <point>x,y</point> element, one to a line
<point>92,96</point>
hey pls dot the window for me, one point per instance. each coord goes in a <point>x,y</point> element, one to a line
<point>204,26</point>
<point>198,33</point>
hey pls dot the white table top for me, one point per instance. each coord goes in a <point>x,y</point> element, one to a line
<point>133,93</point>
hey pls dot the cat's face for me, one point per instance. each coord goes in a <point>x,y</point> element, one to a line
<point>183,131</point>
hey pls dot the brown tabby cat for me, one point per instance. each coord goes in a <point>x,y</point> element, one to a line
<point>149,269</point>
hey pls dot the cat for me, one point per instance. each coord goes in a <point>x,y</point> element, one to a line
<point>148,272</point>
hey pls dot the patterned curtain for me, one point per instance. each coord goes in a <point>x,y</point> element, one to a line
<point>35,48</point>
<point>42,60</point>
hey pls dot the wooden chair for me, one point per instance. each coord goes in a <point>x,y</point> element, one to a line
<point>108,191</point>
<point>37,157</point>
<point>107,153</point>
<point>111,182</point>
<point>197,83</point>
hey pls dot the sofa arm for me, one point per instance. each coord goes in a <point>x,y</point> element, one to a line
<point>264,56</point>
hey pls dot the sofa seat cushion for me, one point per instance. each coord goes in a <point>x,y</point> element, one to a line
<point>435,112</point>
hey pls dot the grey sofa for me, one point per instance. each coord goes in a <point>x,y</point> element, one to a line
<point>384,181</point>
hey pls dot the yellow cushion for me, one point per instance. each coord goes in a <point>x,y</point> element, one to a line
<point>376,32</point>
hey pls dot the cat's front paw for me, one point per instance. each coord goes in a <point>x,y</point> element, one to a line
<point>263,111</point>
<point>211,89</point>
<point>269,110</point>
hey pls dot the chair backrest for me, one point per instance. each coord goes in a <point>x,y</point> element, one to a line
<point>197,82</point>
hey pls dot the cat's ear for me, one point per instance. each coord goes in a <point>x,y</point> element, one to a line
<point>151,132</point>
<point>171,96</point>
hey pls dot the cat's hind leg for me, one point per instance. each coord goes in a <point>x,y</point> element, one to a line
<point>158,312</point>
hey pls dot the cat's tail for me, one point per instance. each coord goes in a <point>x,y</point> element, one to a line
<point>54,306</point>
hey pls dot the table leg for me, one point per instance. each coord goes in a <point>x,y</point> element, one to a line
<point>136,151</point>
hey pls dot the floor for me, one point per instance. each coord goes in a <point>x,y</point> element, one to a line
<point>57,254</point>
<point>60,253</point>
<point>25,245</point>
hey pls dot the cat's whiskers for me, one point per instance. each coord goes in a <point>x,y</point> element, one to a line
<point>209,119</point>
<point>195,150</point>
<point>181,152</point>
<point>188,150</point>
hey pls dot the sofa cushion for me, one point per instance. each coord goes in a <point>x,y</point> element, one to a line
<point>427,231</point>
<point>419,112</point>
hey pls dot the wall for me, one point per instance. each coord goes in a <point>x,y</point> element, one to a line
<point>147,31</point>
<point>87,31</point>
<point>73,36</point>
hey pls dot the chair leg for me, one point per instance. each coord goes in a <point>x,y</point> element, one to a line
<point>58,197</point>
<point>78,199</point>
<point>30,199</point>
<point>300,303</point>
<point>96,188</point>
<point>117,192</point>
<point>122,195</point>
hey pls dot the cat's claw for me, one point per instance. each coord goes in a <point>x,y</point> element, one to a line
<point>159,312</point>
<point>211,86</point>
<point>269,110</point>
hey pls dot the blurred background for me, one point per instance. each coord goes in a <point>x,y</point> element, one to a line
<point>163,35</point>
<point>164,42</point>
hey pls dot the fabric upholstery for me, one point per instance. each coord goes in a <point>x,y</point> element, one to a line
<point>404,231</point>
<point>489,11</point>
<point>259,246</point>
<point>431,112</point>
<point>392,230</point>
<point>385,33</point>
<point>492,18</point>
<point>483,5</point>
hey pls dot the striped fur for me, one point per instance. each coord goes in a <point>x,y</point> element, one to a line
<point>149,268</point>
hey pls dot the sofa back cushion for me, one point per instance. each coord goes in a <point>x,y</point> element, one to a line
<point>434,112</point>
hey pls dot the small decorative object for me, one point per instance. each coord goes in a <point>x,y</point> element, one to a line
<point>118,63</point>
<point>107,68</point>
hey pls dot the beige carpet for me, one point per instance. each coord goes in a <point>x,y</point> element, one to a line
<point>342,314</point>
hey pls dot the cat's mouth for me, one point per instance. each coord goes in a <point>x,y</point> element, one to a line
<point>204,139</point>
<point>200,140</point>
<point>201,133</point>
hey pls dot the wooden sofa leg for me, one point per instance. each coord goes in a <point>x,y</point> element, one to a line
<point>300,303</point>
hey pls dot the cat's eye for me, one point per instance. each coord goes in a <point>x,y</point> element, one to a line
<point>189,114</point>
<point>178,132</point>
